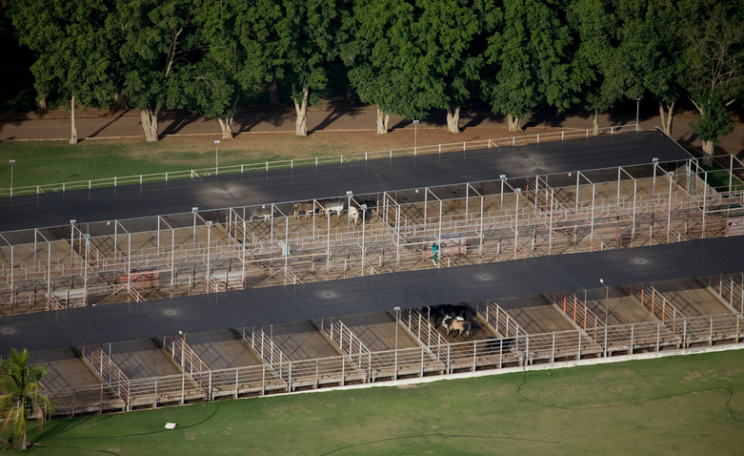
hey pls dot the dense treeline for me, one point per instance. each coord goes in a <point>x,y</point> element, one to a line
<point>407,57</point>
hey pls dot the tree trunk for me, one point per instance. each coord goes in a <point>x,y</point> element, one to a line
<point>382,122</point>
<point>24,445</point>
<point>708,150</point>
<point>666,114</point>
<point>150,124</point>
<point>226,126</point>
<point>301,110</point>
<point>73,126</point>
<point>120,101</point>
<point>513,122</point>
<point>350,92</point>
<point>453,119</point>
<point>41,105</point>
<point>226,122</point>
<point>595,122</point>
<point>274,92</point>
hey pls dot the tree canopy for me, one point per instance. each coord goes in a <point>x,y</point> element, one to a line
<point>19,394</point>
<point>406,57</point>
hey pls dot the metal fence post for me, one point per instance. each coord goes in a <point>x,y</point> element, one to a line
<point>422,363</point>
<point>552,350</point>
<point>658,336</point>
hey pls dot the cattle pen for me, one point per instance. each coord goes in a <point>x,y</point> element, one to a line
<point>139,265</point>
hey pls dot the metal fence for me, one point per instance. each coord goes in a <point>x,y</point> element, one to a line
<point>395,364</point>
<point>680,204</point>
<point>293,163</point>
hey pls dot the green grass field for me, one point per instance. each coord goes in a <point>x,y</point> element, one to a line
<point>682,405</point>
<point>50,162</point>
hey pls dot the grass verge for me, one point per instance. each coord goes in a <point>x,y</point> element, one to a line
<point>49,162</point>
<point>682,405</point>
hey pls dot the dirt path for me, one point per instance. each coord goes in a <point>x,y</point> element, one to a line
<point>105,124</point>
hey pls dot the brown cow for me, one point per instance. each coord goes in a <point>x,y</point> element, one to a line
<point>304,209</point>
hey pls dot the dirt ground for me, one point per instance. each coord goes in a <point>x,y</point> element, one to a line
<point>352,130</point>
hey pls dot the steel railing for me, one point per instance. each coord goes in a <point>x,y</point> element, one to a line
<point>650,336</point>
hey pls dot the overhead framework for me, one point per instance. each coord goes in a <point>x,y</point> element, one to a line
<point>208,251</point>
<point>372,173</point>
<point>205,270</point>
<point>272,305</point>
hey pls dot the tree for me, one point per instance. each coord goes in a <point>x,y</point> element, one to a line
<point>648,53</point>
<point>715,61</point>
<point>157,39</point>
<point>231,65</point>
<point>527,59</point>
<point>597,68</point>
<point>448,32</point>
<point>298,39</point>
<point>382,60</point>
<point>19,385</point>
<point>409,58</point>
<point>75,56</point>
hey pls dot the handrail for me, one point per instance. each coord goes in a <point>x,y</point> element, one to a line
<point>105,369</point>
<point>575,309</point>
<point>657,304</point>
<point>420,328</point>
<point>347,341</point>
<point>186,358</point>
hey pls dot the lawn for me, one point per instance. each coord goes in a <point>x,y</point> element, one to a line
<point>49,162</point>
<point>682,405</point>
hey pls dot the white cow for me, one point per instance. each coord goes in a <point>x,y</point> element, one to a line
<point>355,215</point>
<point>330,207</point>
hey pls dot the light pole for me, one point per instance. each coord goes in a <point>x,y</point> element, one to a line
<point>415,135</point>
<point>397,323</point>
<point>194,210</point>
<point>397,320</point>
<point>638,111</point>
<point>183,345</point>
<point>349,194</point>
<point>217,157</point>
<point>85,275</point>
<point>364,221</point>
<point>12,162</point>
<point>607,300</point>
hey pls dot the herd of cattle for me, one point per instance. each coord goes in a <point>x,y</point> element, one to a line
<point>459,320</point>
<point>456,319</point>
<point>358,212</point>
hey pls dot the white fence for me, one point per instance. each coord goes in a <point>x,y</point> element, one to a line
<point>292,163</point>
<point>394,364</point>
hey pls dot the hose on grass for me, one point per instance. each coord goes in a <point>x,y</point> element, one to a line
<point>87,449</point>
<point>139,434</point>
<point>519,392</point>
